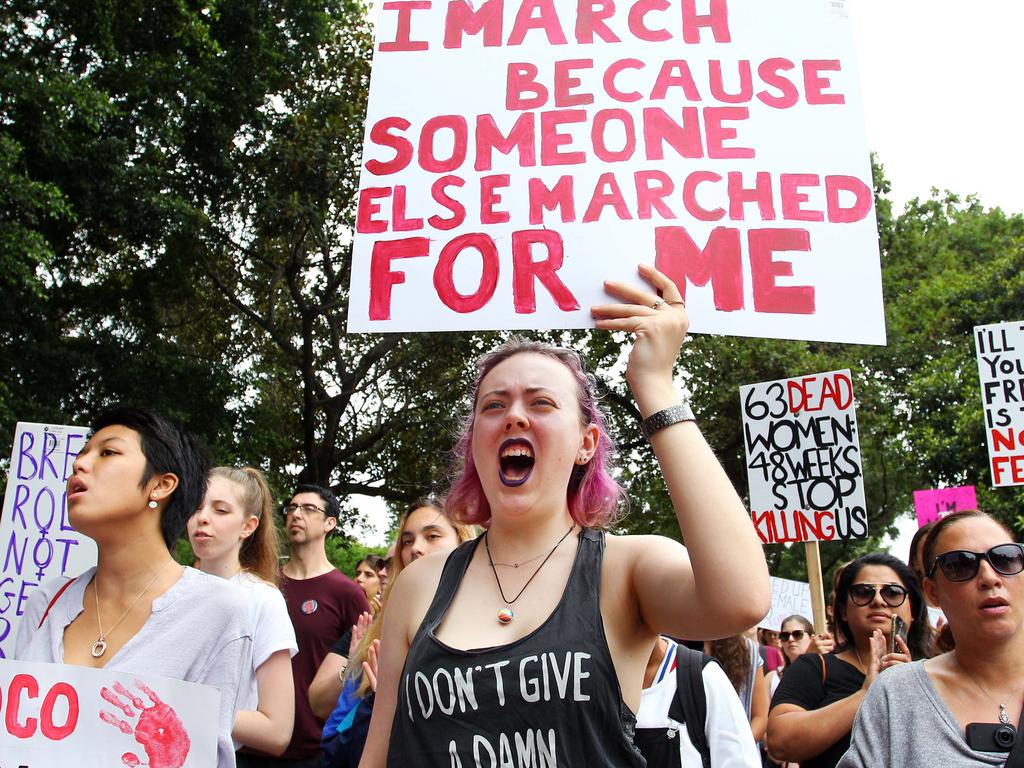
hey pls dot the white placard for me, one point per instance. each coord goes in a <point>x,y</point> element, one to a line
<point>803,459</point>
<point>37,541</point>
<point>516,155</point>
<point>65,715</point>
<point>788,597</point>
<point>1000,350</point>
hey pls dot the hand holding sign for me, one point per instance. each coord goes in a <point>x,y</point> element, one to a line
<point>159,729</point>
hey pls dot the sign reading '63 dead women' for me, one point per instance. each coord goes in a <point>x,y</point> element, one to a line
<point>803,459</point>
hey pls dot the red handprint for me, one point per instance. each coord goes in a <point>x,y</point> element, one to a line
<point>159,729</point>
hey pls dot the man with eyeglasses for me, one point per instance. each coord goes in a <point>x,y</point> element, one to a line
<point>323,604</point>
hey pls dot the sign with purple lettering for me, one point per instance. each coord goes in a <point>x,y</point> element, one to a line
<point>936,503</point>
<point>803,459</point>
<point>517,154</point>
<point>1001,371</point>
<point>37,541</point>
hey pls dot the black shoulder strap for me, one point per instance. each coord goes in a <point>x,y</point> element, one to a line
<point>1016,756</point>
<point>691,704</point>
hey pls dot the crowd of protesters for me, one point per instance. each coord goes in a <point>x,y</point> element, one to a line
<point>506,627</point>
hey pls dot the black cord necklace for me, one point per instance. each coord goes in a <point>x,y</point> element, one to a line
<point>505,615</point>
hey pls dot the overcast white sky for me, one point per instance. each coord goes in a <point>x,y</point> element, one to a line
<point>940,82</point>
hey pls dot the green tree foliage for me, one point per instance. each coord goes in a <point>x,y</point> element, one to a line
<point>179,181</point>
<point>345,553</point>
<point>176,190</point>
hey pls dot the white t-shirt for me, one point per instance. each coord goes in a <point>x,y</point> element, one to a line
<point>727,727</point>
<point>272,630</point>
<point>198,632</point>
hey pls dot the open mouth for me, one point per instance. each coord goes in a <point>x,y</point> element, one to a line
<point>75,485</point>
<point>515,462</point>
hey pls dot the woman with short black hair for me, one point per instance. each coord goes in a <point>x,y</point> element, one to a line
<point>134,486</point>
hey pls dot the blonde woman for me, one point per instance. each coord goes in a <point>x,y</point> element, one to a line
<point>234,537</point>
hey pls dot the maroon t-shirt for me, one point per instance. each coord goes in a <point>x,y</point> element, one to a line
<point>321,609</point>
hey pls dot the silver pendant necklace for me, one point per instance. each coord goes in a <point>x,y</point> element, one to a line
<point>100,646</point>
<point>506,614</point>
<point>1004,718</point>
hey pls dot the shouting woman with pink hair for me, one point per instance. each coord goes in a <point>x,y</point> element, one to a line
<point>528,645</point>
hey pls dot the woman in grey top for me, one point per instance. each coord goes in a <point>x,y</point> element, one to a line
<point>134,486</point>
<point>960,708</point>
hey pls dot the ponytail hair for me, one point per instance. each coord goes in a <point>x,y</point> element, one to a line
<point>259,552</point>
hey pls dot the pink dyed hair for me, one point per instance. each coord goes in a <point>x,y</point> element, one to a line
<point>593,494</point>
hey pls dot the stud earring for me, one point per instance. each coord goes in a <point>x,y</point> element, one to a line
<point>152,504</point>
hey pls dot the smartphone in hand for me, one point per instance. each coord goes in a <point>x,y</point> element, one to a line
<point>899,629</point>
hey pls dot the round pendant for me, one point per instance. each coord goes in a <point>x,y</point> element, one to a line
<point>505,615</point>
<point>99,648</point>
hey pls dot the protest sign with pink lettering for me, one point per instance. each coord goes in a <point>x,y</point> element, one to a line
<point>65,715</point>
<point>518,154</point>
<point>37,541</point>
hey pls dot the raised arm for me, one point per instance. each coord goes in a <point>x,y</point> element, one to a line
<point>680,596</point>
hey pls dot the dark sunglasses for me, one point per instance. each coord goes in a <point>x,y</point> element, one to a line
<point>796,634</point>
<point>961,565</point>
<point>893,594</point>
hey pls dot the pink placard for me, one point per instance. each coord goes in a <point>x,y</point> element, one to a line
<point>937,503</point>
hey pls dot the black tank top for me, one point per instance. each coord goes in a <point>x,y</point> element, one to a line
<point>551,698</point>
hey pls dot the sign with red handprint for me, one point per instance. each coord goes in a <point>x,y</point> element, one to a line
<point>56,714</point>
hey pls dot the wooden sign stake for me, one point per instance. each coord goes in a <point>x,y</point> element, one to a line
<point>817,587</point>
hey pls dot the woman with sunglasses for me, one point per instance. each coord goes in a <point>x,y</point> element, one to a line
<point>795,638</point>
<point>960,708</point>
<point>813,709</point>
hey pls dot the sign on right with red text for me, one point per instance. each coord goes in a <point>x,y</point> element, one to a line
<point>803,459</point>
<point>1001,372</point>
